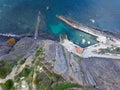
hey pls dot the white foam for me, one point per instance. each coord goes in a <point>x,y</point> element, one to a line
<point>9,35</point>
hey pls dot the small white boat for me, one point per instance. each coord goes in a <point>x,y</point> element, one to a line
<point>89,42</point>
<point>92,20</point>
<point>47,7</point>
<point>83,41</point>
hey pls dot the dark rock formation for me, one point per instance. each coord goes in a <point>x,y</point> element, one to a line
<point>18,50</point>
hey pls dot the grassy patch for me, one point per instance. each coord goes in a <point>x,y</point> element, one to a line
<point>64,86</point>
<point>46,80</point>
<point>39,52</point>
<point>8,85</point>
<point>26,72</point>
<point>55,77</point>
<point>71,79</point>
<point>22,62</point>
<point>63,36</point>
<point>42,81</point>
<point>5,68</point>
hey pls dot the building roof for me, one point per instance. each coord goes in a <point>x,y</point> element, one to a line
<point>79,49</point>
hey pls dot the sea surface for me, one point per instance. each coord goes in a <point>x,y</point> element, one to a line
<point>20,16</point>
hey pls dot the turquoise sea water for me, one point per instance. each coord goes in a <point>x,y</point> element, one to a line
<point>19,17</point>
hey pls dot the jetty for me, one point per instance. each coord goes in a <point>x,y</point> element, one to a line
<point>37,26</point>
<point>99,34</point>
<point>80,26</point>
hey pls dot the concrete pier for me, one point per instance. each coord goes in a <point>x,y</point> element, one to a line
<point>79,26</point>
<point>37,26</point>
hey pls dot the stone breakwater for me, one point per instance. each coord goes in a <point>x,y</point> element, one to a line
<point>92,31</point>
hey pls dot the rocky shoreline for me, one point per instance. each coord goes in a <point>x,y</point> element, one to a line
<point>4,37</point>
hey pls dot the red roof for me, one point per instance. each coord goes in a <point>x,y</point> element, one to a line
<point>79,49</point>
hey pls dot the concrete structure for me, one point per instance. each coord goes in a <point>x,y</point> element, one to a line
<point>99,34</point>
<point>37,26</point>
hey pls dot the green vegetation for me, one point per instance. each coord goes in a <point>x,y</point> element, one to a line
<point>22,62</point>
<point>63,36</point>
<point>42,81</point>
<point>5,68</point>
<point>48,63</point>
<point>47,80</point>
<point>26,72</point>
<point>39,52</point>
<point>38,62</point>
<point>8,85</point>
<point>70,78</point>
<point>55,77</point>
<point>64,86</point>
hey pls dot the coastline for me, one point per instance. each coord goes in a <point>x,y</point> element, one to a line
<point>43,36</point>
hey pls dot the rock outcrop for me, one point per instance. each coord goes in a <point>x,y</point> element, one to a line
<point>18,51</point>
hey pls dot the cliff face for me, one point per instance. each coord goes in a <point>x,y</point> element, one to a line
<point>101,74</point>
<point>98,72</point>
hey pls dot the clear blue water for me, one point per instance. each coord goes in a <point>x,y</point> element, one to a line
<point>19,16</point>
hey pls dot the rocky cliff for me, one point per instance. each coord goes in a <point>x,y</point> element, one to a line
<point>29,60</point>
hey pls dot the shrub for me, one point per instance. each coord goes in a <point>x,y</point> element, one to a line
<point>5,69</point>
<point>63,36</point>
<point>11,41</point>
<point>8,85</point>
<point>26,72</point>
<point>22,62</point>
<point>64,86</point>
<point>39,52</point>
